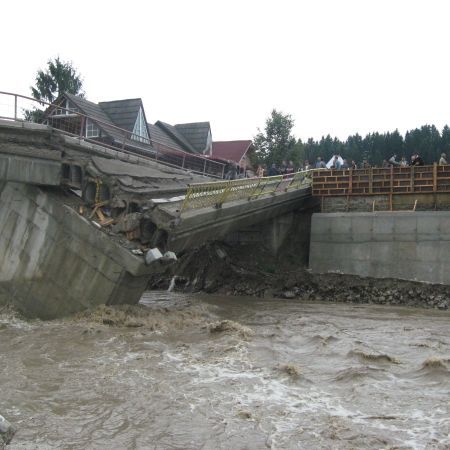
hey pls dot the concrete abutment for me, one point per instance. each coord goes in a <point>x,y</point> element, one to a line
<point>405,245</point>
<point>54,262</point>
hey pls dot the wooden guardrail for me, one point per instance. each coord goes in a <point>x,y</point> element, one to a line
<point>376,181</point>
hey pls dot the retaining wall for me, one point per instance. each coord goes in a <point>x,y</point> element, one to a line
<point>407,245</point>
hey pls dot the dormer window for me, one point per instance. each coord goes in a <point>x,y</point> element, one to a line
<point>92,131</point>
<point>208,149</point>
<point>140,132</point>
<point>65,108</point>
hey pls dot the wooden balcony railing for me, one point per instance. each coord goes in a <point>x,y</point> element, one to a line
<point>376,181</point>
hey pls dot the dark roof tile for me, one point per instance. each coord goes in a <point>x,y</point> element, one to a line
<point>161,138</point>
<point>196,134</point>
<point>123,113</point>
<point>176,135</point>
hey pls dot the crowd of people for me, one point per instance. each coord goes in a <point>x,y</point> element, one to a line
<point>338,162</point>
<point>288,167</point>
<point>416,160</point>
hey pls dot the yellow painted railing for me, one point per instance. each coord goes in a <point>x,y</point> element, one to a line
<point>215,194</point>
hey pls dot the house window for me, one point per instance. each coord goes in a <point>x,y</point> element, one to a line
<point>208,149</point>
<point>68,109</point>
<point>140,129</point>
<point>91,129</point>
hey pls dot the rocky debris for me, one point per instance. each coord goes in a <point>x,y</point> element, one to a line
<point>291,369</point>
<point>229,326</point>
<point>7,431</point>
<point>152,255</point>
<point>127,223</point>
<point>168,258</point>
<point>247,271</point>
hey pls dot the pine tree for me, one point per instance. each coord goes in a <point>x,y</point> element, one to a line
<point>58,77</point>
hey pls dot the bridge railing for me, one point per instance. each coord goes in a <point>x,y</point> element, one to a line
<point>72,122</point>
<point>378,181</point>
<point>215,194</point>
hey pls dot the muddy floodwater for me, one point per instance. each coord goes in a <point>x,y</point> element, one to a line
<point>198,372</point>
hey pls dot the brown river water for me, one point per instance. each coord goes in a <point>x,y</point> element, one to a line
<point>198,372</point>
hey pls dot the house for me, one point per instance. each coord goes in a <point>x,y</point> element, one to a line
<point>105,121</point>
<point>123,121</point>
<point>191,137</point>
<point>237,152</point>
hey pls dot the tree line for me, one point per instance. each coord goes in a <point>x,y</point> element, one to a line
<point>276,144</point>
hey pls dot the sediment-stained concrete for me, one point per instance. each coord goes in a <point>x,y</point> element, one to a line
<point>406,245</point>
<point>54,262</point>
<point>196,227</point>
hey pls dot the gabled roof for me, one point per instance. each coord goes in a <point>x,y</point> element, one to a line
<point>176,135</point>
<point>195,133</point>
<point>96,113</point>
<point>230,150</point>
<point>123,113</point>
<point>160,137</point>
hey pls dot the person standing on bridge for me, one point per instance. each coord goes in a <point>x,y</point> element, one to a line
<point>290,169</point>
<point>443,160</point>
<point>320,164</point>
<point>393,160</point>
<point>260,171</point>
<point>273,170</point>
<point>416,160</point>
<point>232,172</point>
<point>336,164</point>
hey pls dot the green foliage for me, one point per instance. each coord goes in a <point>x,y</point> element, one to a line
<point>276,143</point>
<point>58,77</point>
<point>375,147</point>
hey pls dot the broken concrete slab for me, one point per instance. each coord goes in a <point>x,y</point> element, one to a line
<point>152,255</point>
<point>7,432</point>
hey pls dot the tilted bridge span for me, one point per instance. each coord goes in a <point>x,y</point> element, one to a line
<point>77,218</point>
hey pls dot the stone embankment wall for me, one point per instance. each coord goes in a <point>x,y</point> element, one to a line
<point>406,245</point>
<point>54,262</point>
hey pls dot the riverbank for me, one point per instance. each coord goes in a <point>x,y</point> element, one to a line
<point>253,271</point>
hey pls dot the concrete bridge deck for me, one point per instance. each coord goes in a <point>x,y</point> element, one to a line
<point>77,218</point>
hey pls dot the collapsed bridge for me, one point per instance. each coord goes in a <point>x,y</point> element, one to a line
<point>78,218</point>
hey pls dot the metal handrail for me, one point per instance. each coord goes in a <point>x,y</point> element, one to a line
<point>131,147</point>
<point>215,194</point>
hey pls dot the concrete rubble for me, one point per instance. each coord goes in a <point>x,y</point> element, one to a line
<point>7,432</point>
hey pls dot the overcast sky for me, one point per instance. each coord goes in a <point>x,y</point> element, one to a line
<point>337,66</point>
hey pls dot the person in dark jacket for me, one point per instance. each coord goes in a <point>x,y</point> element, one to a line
<point>273,170</point>
<point>416,160</point>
